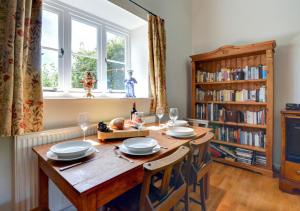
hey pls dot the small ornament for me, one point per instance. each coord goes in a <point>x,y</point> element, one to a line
<point>129,84</point>
<point>88,83</point>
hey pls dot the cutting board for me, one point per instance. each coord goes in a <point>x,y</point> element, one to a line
<point>128,132</point>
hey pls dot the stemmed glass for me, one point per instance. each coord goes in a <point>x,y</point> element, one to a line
<point>83,121</point>
<point>139,119</point>
<point>159,114</point>
<point>173,114</point>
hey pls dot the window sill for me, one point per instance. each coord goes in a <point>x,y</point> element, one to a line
<point>81,96</point>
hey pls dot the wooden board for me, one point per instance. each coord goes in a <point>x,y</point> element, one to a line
<point>126,133</point>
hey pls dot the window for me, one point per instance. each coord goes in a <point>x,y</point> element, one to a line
<point>50,50</point>
<point>74,42</point>
<point>84,52</point>
<point>116,61</point>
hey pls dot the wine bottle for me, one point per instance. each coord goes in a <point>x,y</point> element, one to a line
<point>133,111</point>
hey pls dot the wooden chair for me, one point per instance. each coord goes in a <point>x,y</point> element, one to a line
<point>159,195</point>
<point>200,165</point>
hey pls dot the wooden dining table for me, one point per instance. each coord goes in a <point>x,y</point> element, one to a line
<point>93,184</point>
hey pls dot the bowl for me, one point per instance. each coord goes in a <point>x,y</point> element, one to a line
<point>140,144</point>
<point>70,148</point>
<point>181,131</point>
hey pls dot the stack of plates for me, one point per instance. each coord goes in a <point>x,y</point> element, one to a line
<point>181,132</point>
<point>70,150</point>
<point>140,146</point>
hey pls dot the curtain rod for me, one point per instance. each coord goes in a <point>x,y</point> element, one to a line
<point>140,6</point>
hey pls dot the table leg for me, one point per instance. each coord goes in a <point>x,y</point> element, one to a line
<point>206,185</point>
<point>43,190</point>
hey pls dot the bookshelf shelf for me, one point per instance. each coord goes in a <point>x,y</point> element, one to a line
<point>258,169</point>
<point>239,124</point>
<point>234,103</point>
<point>233,82</point>
<point>257,149</point>
<point>253,64</point>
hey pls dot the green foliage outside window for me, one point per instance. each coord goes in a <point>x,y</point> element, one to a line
<point>83,61</point>
<point>49,75</point>
<point>116,71</point>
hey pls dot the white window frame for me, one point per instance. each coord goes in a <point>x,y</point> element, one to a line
<point>127,52</point>
<point>59,12</point>
<point>98,27</point>
<point>66,15</point>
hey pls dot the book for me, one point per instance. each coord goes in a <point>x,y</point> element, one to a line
<point>254,95</point>
<point>218,112</point>
<point>240,136</point>
<point>227,74</point>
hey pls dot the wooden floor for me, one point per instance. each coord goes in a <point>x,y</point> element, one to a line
<point>234,189</point>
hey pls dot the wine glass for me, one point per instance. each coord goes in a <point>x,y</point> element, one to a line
<point>159,114</point>
<point>83,121</point>
<point>139,119</point>
<point>173,114</point>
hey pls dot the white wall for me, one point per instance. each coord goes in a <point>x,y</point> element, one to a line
<point>140,60</point>
<point>107,11</point>
<point>220,22</point>
<point>177,15</point>
<point>63,113</point>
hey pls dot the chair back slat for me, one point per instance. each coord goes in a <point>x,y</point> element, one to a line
<point>166,181</point>
<point>200,148</point>
<point>169,190</point>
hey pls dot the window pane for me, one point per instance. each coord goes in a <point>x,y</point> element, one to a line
<point>50,68</point>
<point>50,29</point>
<point>84,49</point>
<point>115,76</point>
<point>84,39</point>
<point>80,65</point>
<point>115,47</point>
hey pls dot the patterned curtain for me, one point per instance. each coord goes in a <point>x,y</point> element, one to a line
<point>157,62</point>
<point>21,95</point>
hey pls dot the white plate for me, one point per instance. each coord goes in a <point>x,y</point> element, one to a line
<point>53,156</point>
<point>125,150</point>
<point>70,149</point>
<point>178,123</point>
<point>181,131</point>
<point>169,133</point>
<point>140,144</point>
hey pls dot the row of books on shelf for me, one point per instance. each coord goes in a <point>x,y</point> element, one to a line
<point>255,95</point>
<point>240,136</point>
<point>238,154</point>
<point>200,111</point>
<point>217,112</point>
<point>227,74</point>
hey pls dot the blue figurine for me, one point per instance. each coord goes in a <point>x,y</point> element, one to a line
<point>129,84</point>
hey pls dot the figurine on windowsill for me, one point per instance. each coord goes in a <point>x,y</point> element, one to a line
<point>129,84</point>
<point>88,83</point>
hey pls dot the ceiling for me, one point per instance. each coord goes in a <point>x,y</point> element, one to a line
<point>108,11</point>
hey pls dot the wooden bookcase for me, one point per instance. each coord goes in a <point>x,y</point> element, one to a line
<point>235,57</point>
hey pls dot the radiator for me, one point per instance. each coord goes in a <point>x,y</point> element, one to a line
<point>25,168</point>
